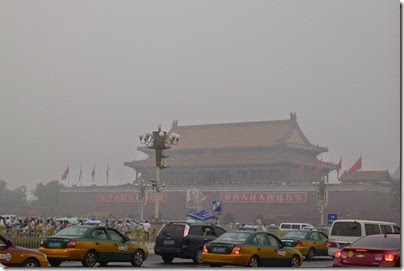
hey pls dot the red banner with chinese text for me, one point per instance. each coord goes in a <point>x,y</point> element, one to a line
<point>128,197</point>
<point>264,197</point>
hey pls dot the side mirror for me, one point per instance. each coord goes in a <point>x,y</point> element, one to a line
<point>9,243</point>
<point>126,239</point>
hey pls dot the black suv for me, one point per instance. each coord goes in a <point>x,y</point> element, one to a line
<point>185,240</point>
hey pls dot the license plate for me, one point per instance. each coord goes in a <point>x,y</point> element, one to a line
<point>168,242</point>
<point>55,244</point>
<point>219,249</point>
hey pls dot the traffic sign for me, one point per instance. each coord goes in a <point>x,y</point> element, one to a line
<point>217,206</point>
<point>331,218</point>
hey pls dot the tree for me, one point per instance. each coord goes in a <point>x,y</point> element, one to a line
<point>395,192</point>
<point>12,198</point>
<point>47,194</point>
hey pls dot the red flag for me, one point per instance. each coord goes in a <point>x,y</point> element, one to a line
<point>92,175</point>
<point>64,176</point>
<point>356,166</point>
<point>339,166</point>
<point>319,166</point>
<point>107,173</point>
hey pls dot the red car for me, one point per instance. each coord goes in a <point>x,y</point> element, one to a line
<point>378,250</point>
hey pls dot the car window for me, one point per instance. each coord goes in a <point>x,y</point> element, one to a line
<point>295,227</point>
<point>295,234</point>
<point>99,234</point>
<point>219,231</point>
<point>396,229</point>
<point>372,229</point>
<point>234,236</point>
<point>173,231</point>
<point>261,240</point>
<point>79,231</point>
<point>285,226</point>
<point>344,228</point>
<point>273,241</point>
<point>378,242</point>
<point>195,230</point>
<point>208,231</point>
<point>323,237</point>
<point>115,236</point>
<point>386,228</point>
<point>315,236</point>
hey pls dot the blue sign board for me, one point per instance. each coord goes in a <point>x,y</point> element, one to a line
<point>331,218</point>
<point>217,206</point>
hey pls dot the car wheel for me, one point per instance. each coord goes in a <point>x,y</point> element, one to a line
<point>295,261</point>
<point>138,258</point>
<point>30,263</point>
<point>167,259</point>
<point>253,262</point>
<point>198,257</point>
<point>55,263</point>
<point>90,259</point>
<point>310,254</point>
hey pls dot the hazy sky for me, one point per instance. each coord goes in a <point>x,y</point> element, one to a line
<point>80,80</point>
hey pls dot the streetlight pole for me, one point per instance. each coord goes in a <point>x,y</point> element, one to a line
<point>322,198</point>
<point>159,140</point>
<point>142,188</point>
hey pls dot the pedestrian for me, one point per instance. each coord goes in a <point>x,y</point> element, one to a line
<point>127,228</point>
<point>146,228</point>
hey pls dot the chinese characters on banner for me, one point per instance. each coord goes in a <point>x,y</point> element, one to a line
<point>231,196</point>
<point>264,197</point>
<point>128,197</point>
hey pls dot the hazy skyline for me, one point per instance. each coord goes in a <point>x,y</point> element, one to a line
<point>80,80</point>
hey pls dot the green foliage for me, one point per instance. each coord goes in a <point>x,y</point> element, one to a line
<point>12,198</point>
<point>47,194</point>
<point>396,195</point>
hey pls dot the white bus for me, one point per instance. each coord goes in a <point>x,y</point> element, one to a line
<point>345,231</point>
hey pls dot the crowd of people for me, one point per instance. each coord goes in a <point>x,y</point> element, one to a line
<point>139,231</point>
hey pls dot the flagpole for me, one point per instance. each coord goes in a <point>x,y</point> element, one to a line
<point>107,173</point>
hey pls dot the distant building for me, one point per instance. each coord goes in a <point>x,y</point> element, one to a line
<point>262,152</point>
<point>366,177</point>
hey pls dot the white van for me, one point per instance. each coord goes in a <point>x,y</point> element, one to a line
<point>294,226</point>
<point>345,231</point>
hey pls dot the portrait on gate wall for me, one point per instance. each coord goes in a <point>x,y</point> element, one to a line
<point>192,198</point>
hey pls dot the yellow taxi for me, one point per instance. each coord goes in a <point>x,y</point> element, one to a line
<point>15,256</point>
<point>250,249</point>
<point>310,242</point>
<point>91,245</point>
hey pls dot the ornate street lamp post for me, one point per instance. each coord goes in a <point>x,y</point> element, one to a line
<point>142,187</point>
<point>322,197</point>
<point>159,141</point>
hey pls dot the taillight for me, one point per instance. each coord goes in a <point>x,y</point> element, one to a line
<point>338,254</point>
<point>71,244</point>
<point>41,244</point>
<point>299,243</point>
<point>236,250</point>
<point>205,249</point>
<point>389,257</point>
<point>331,244</point>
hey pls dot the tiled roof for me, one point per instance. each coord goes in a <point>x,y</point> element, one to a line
<point>243,134</point>
<point>243,159</point>
<point>366,176</point>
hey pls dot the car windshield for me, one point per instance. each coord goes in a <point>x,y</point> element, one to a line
<point>233,236</point>
<point>372,241</point>
<point>79,231</point>
<point>295,234</point>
